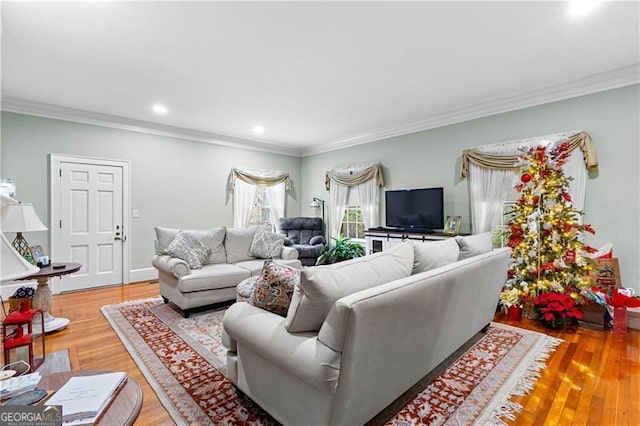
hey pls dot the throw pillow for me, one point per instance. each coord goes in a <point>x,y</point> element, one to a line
<point>188,248</point>
<point>474,245</point>
<point>266,244</point>
<point>288,242</point>
<point>274,287</point>
<point>318,239</point>
<point>433,254</point>
<point>321,286</point>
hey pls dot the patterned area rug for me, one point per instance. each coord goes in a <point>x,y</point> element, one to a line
<point>184,362</point>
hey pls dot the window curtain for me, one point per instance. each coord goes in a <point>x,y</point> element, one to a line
<point>243,196</point>
<point>491,170</point>
<point>365,180</point>
<point>338,202</point>
<point>276,195</point>
<point>243,183</point>
<point>368,197</point>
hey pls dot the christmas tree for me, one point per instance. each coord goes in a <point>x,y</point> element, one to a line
<point>545,231</point>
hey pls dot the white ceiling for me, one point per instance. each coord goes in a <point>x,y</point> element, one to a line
<point>316,76</point>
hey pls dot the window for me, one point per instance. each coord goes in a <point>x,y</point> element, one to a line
<point>261,210</point>
<point>353,223</point>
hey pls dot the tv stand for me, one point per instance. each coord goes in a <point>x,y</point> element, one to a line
<point>379,239</point>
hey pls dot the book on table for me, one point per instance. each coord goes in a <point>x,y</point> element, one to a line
<point>17,385</point>
<point>84,398</point>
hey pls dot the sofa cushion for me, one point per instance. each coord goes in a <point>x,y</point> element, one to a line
<point>433,254</point>
<point>266,244</point>
<point>164,236</point>
<point>274,287</point>
<point>188,248</point>
<point>237,243</point>
<point>210,277</point>
<point>473,245</point>
<point>214,239</point>
<point>321,286</point>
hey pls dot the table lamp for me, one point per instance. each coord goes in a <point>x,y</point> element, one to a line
<point>21,217</point>
<point>12,265</point>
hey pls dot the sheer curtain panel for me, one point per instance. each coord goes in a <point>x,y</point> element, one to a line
<point>243,196</point>
<point>276,195</point>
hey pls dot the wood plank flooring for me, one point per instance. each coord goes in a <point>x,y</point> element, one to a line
<point>593,378</point>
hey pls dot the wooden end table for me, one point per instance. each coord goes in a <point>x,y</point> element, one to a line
<point>123,410</point>
<point>43,298</point>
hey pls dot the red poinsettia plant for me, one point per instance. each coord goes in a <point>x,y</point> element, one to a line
<point>557,309</point>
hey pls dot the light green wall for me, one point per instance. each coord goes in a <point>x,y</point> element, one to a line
<point>181,183</point>
<point>432,158</point>
<point>174,182</point>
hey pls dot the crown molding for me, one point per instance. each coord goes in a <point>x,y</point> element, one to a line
<point>607,80</point>
<point>39,109</point>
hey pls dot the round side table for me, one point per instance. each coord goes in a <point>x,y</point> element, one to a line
<point>123,410</point>
<point>43,298</point>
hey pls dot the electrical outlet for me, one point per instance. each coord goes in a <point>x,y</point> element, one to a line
<point>136,213</point>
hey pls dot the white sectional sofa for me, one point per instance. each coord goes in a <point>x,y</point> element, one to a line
<point>228,264</point>
<point>360,333</point>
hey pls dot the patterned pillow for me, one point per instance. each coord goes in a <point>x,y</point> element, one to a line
<point>188,248</point>
<point>274,288</point>
<point>266,244</point>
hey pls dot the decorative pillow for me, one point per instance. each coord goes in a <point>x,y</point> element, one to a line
<point>321,286</point>
<point>318,239</point>
<point>164,236</point>
<point>474,245</point>
<point>433,254</point>
<point>188,248</point>
<point>274,287</point>
<point>266,244</point>
<point>288,242</point>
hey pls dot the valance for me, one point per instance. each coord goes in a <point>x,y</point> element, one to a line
<point>577,139</point>
<point>355,175</point>
<point>259,177</point>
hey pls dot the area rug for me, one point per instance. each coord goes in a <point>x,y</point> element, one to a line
<point>184,362</point>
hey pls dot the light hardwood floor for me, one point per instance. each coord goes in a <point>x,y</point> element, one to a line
<point>592,378</point>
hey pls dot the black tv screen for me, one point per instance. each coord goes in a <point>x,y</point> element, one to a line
<point>415,209</point>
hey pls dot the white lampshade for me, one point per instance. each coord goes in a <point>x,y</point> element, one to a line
<point>21,217</point>
<point>12,265</point>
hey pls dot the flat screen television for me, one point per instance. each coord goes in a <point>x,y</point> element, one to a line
<point>415,209</point>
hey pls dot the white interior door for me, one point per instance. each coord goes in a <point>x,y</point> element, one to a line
<point>89,226</point>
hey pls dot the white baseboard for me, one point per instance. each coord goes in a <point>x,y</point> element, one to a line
<point>145,274</point>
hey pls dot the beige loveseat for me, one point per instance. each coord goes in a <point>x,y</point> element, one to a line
<point>360,333</point>
<point>228,263</point>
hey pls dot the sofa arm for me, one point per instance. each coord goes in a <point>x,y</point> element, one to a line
<point>289,253</point>
<point>172,265</point>
<point>300,354</point>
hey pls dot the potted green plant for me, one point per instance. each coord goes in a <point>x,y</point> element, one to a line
<point>343,249</point>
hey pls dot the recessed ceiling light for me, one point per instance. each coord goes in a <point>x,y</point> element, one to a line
<point>258,130</point>
<point>160,109</point>
<point>582,7</point>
